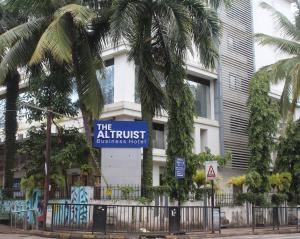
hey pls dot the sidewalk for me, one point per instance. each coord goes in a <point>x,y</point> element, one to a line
<point>228,232</point>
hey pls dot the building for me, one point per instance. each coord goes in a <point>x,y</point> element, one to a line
<point>220,96</point>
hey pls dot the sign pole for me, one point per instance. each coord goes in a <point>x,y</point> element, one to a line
<point>212,205</point>
<point>211,171</point>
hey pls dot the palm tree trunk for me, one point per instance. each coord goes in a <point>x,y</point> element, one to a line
<point>147,153</point>
<point>147,111</point>
<point>87,125</point>
<point>12,92</point>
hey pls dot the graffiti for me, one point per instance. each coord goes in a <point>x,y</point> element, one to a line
<point>66,214</point>
<point>20,208</point>
<point>77,213</point>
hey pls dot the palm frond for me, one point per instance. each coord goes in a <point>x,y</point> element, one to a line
<point>285,25</point>
<point>57,40</point>
<point>280,44</point>
<point>151,94</point>
<point>285,103</point>
<point>176,17</point>
<point>279,70</point>
<point>98,31</point>
<point>81,15</point>
<point>32,7</point>
<point>205,31</point>
<point>125,13</point>
<point>18,55</point>
<point>22,31</point>
<point>88,86</point>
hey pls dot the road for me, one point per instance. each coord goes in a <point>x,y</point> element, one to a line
<point>268,236</point>
<point>19,236</point>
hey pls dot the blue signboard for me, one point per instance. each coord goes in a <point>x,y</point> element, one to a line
<point>179,168</point>
<point>120,134</point>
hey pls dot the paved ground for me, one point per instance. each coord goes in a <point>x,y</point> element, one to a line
<point>273,236</point>
<point>19,236</point>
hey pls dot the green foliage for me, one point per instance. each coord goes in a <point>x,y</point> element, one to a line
<point>156,43</point>
<point>49,87</point>
<point>281,181</point>
<point>200,178</point>
<point>237,181</point>
<point>285,69</point>
<point>262,129</point>
<point>180,140</point>
<point>126,191</point>
<point>253,181</point>
<point>69,150</point>
<point>86,169</point>
<point>278,198</point>
<point>288,156</point>
<point>144,200</point>
<point>257,199</point>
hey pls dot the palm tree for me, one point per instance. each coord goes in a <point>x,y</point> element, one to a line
<point>9,20</point>
<point>63,31</point>
<point>287,69</point>
<point>158,32</point>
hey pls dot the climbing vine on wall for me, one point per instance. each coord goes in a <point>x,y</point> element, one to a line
<point>180,129</point>
<point>262,128</point>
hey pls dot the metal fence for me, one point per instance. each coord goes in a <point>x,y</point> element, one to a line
<point>132,219</point>
<point>275,217</point>
<point>226,200</point>
<point>117,192</point>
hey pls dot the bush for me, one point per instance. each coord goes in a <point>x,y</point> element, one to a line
<point>278,199</point>
<point>258,199</point>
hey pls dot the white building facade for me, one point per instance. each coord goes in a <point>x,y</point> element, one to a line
<point>220,97</point>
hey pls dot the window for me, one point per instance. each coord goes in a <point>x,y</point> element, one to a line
<point>235,82</point>
<point>201,91</point>
<point>106,81</point>
<point>158,137</point>
<point>203,139</point>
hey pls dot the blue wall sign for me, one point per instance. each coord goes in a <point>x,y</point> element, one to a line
<point>120,134</point>
<point>179,168</point>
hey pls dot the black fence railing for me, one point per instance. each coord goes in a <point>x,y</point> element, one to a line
<point>118,192</point>
<point>226,200</point>
<point>275,217</point>
<point>132,219</point>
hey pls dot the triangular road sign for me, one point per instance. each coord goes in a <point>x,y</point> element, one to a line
<point>211,172</point>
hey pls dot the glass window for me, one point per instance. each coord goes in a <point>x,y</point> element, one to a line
<point>158,138</point>
<point>235,82</point>
<point>201,92</point>
<point>106,81</point>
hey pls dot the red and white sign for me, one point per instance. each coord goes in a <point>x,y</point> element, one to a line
<point>211,170</point>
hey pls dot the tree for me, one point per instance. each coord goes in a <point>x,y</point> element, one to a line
<point>69,150</point>
<point>9,20</point>
<point>71,34</point>
<point>158,32</point>
<point>262,129</point>
<point>286,69</point>
<point>289,154</point>
<point>193,173</point>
